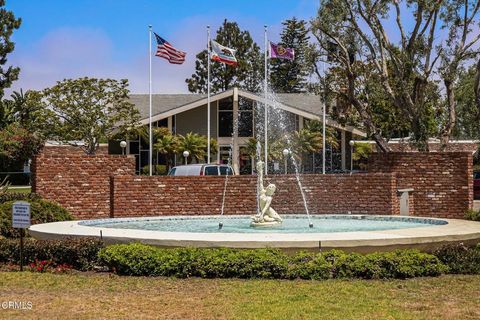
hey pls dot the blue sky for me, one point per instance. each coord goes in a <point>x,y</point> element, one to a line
<point>107,38</point>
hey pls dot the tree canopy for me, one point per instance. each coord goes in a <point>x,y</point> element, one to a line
<point>415,75</point>
<point>90,110</point>
<point>468,113</point>
<point>8,23</point>
<point>290,75</point>
<point>17,145</point>
<point>248,74</point>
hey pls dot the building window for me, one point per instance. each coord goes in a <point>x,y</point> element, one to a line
<point>162,123</point>
<point>225,117</point>
<point>245,124</point>
<point>224,154</point>
<point>245,117</point>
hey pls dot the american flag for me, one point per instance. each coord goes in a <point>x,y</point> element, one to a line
<point>165,50</point>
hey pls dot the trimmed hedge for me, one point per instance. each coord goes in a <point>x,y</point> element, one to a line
<point>42,211</point>
<point>460,259</point>
<point>81,254</point>
<point>143,260</point>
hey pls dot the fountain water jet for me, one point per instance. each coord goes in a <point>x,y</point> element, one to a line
<point>281,122</point>
<point>220,224</point>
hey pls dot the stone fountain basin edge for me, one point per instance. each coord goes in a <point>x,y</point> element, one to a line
<point>423,238</point>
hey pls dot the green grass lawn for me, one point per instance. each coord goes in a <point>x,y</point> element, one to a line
<point>26,189</point>
<point>103,296</point>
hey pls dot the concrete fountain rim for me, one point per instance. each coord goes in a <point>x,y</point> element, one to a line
<point>455,230</point>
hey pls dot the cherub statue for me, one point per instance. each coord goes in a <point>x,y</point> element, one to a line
<point>267,213</point>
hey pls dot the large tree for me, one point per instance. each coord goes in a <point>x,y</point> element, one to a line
<point>468,114</point>
<point>246,75</point>
<point>90,110</point>
<point>291,75</point>
<point>354,37</point>
<point>8,23</point>
<point>17,145</point>
<point>27,110</point>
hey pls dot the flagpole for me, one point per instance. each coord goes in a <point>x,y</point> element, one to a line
<point>150,138</point>
<point>265,87</point>
<point>208,94</point>
<point>324,116</point>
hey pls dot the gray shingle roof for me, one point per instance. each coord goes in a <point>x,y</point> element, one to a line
<point>302,101</point>
<point>162,102</point>
<point>165,102</point>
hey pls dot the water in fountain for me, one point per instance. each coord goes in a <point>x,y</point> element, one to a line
<point>259,157</point>
<point>297,176</point>
<point>220,224</point>
<point>277,119</point>
<point>229,163</point>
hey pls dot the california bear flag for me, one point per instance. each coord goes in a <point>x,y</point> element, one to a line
<point>223,54</point>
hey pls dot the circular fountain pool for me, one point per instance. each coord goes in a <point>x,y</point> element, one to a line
<point>291,224</point>
<point>348,232</point>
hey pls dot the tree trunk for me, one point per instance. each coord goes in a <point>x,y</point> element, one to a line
<point>367,119</point>
<point>452,116</point>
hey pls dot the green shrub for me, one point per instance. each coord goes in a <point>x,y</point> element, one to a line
<point>41,211</point>
<point>460,259</point>
<point>305,265</point>
<point>400,264</point>
<point>81,254</point>
<point>471,214</point>
<point>17,196</point>
<point>140,259</point>
<point>158,170</point>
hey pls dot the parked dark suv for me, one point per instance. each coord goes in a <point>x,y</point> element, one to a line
<point>476,185</point>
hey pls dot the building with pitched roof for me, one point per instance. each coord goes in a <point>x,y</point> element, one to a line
<point>184,113</point>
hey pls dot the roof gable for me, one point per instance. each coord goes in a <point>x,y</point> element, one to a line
<point>165,105</point>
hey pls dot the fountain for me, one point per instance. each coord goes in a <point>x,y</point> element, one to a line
<point>278,120</point>
<point>266,215</point>
<point>266,229</point>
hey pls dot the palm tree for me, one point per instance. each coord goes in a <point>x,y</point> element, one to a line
<point>309,140</point>
<point>316,126</point>
<point>157,133</point>
<point>195,144</point>
<point>251,147</point>
<point>167,145</point>
<point>305,141</point>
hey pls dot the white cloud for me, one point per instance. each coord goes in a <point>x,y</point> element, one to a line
<point>69,52</point>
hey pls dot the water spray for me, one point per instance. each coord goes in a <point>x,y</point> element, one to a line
<point>220,224</point>
<point>281,121</point>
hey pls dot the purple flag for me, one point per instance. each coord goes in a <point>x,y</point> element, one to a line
<point>280,52</point>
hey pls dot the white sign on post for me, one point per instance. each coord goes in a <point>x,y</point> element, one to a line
<point>276,166</point>
<point>21,215</point>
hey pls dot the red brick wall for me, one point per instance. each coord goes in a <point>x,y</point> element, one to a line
<point>442,181</point>
<point>146,196</point>
<point>105,185</point>
<point>78,182</point>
